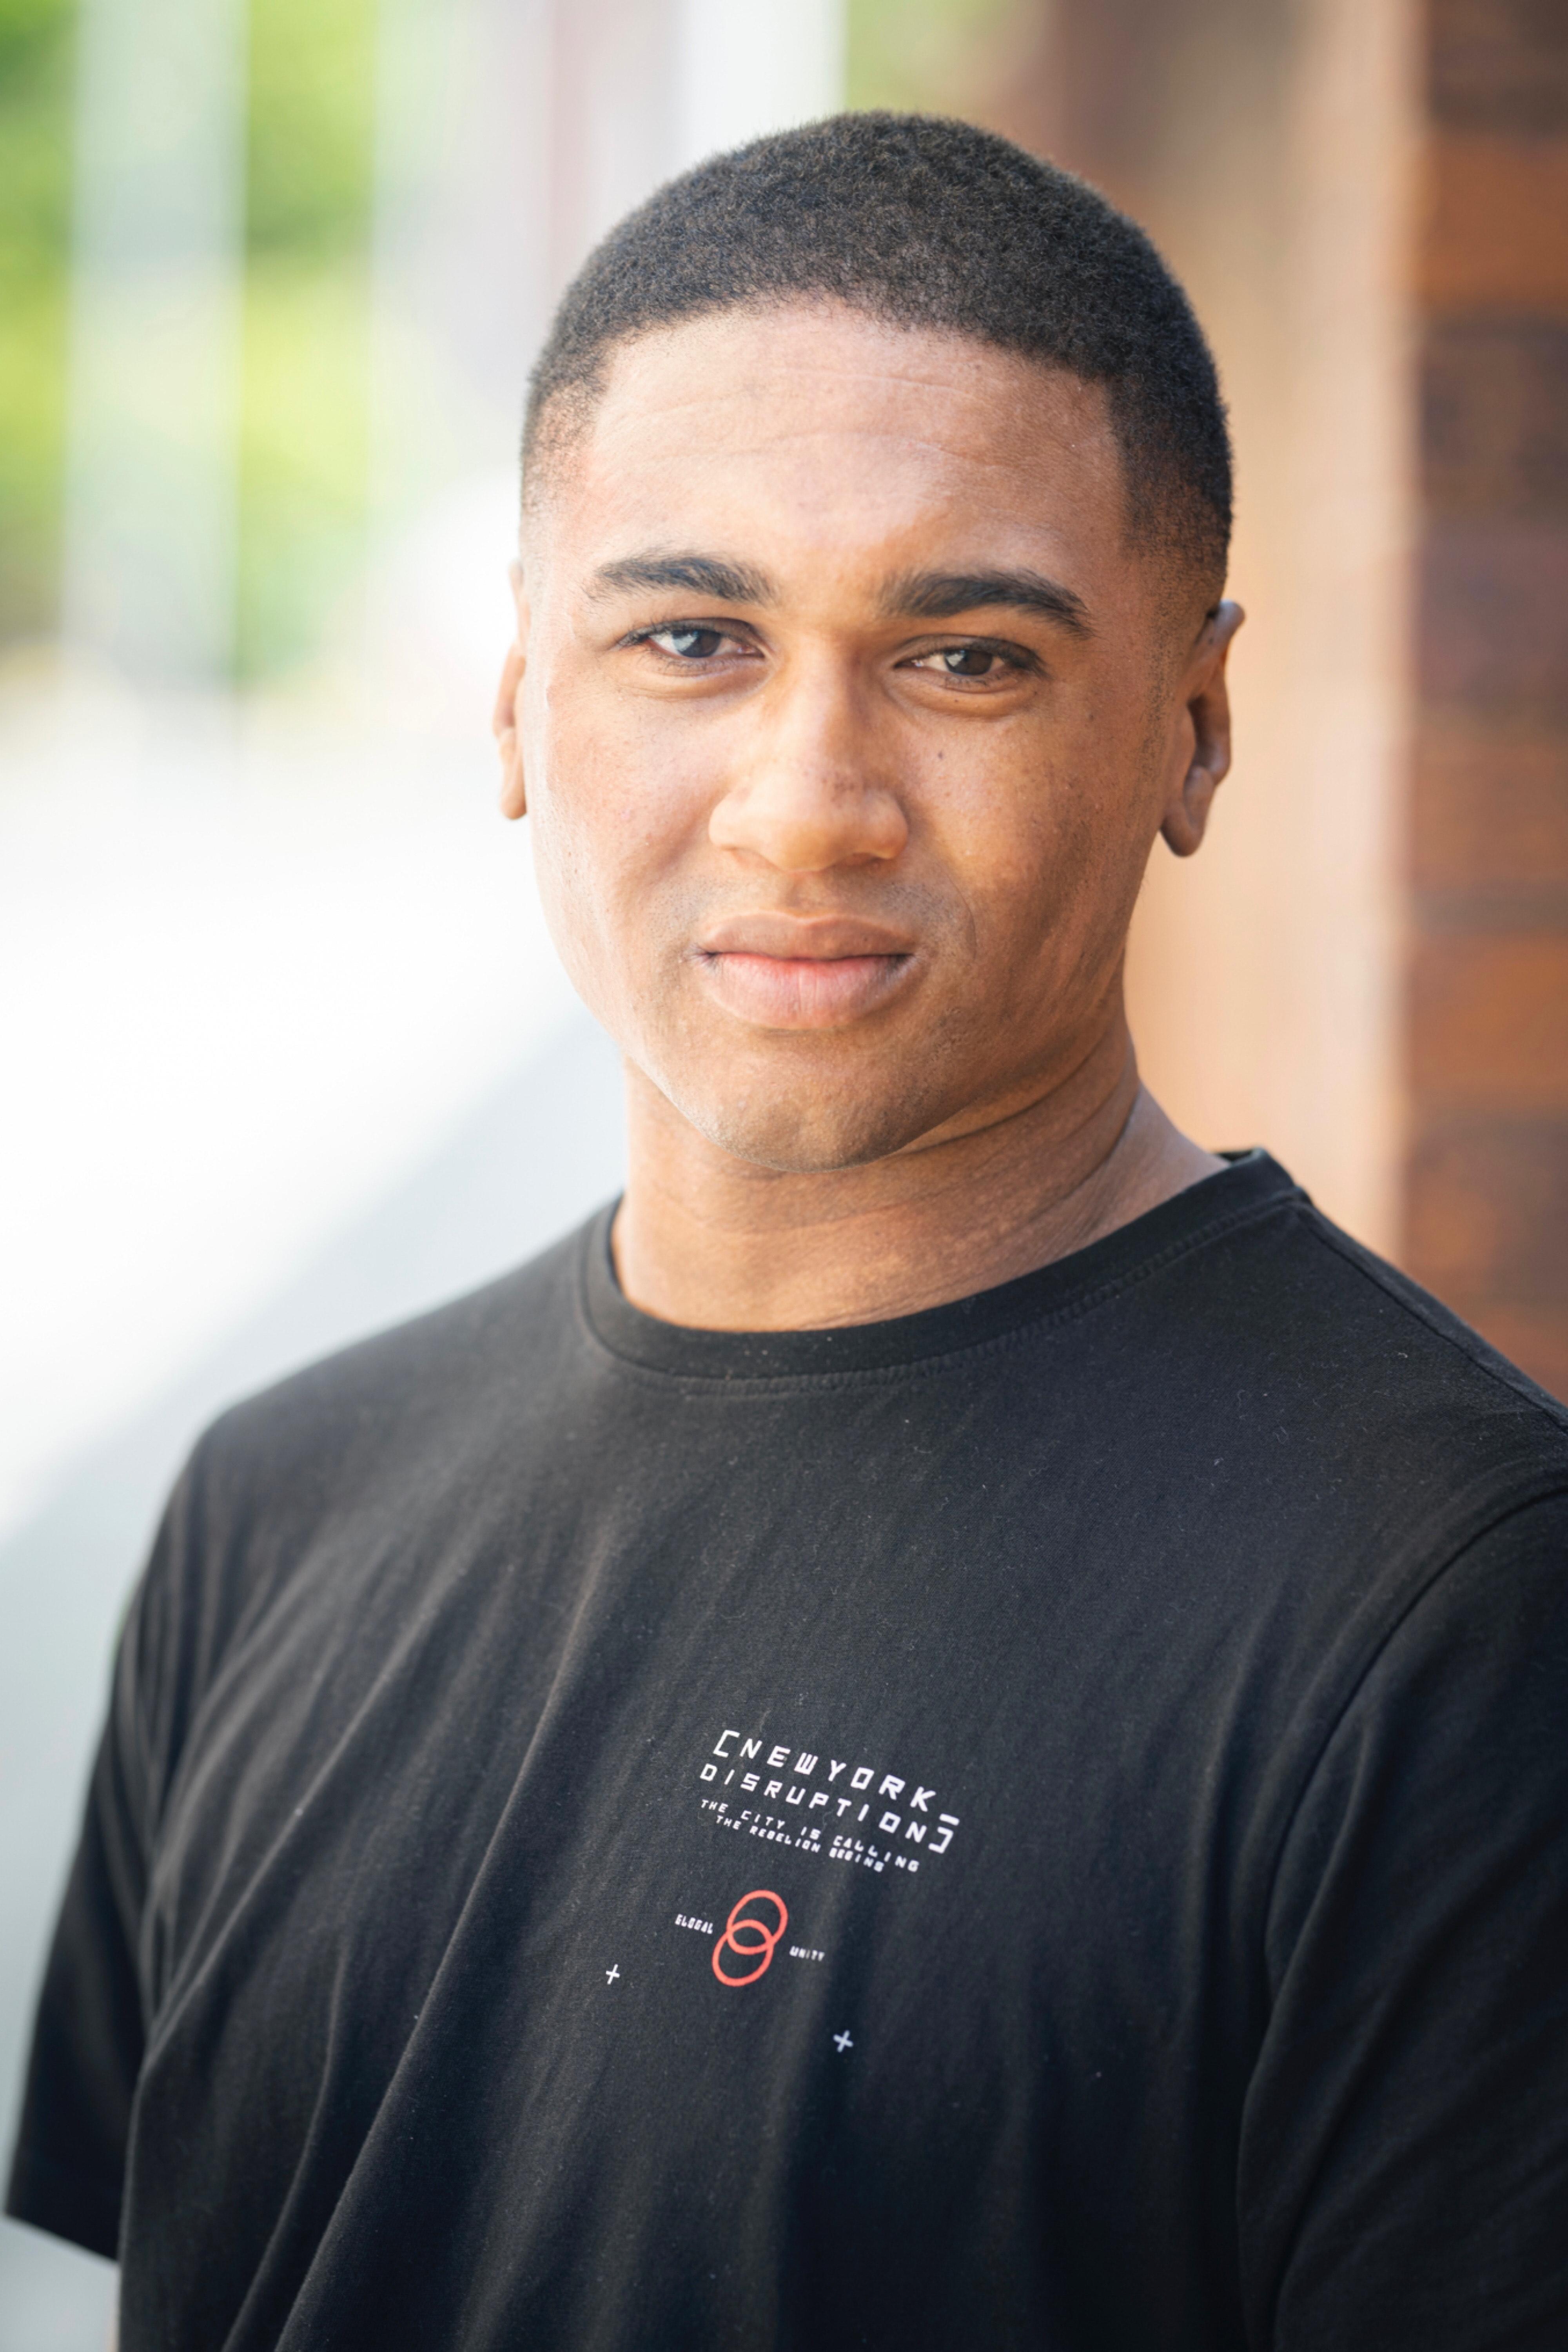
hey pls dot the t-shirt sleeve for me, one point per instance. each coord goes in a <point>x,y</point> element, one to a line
<point>1403,2158</point>
<point>68,2168</point>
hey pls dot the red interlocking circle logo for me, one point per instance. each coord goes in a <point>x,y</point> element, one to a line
<point>748,1937</point>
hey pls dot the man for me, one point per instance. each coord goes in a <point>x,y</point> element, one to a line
<point>946,1731</point>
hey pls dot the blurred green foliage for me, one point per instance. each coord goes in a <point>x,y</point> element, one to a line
<point>35,56</point>
<point>309,170</point>
<point>937,56</point>
<point>308,176</point>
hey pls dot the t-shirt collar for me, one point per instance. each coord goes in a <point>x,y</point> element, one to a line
<point>1250,1185</point>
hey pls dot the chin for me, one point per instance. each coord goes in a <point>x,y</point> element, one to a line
<point>797,1132</point>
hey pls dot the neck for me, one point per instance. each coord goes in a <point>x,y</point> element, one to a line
<point>717,1243</point>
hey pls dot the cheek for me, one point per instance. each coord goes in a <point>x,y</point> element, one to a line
<point>1045,858</point>
<point>573,819</point>
<point>1013,830</point>
<point>612,813</point>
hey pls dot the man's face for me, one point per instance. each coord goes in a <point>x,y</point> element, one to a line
<point>846,717</point>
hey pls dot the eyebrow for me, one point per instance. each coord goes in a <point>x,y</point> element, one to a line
<point>701,575</point>
<point>914,595</point>
<point>942,595</point>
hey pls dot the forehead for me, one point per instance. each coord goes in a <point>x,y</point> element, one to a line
<point>827,429</point>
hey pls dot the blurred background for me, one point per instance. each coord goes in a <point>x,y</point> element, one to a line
<point>284,1052</point>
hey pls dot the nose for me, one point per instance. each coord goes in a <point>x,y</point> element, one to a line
<point>806,791</point>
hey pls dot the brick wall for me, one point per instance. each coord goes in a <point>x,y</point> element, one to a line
<point>1487,1000</point>
<point>1269,146</point>
<point>1367,968</point>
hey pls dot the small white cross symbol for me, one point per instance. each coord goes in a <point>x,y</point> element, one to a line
<point>842,2042</point>
<point>610,1975</point>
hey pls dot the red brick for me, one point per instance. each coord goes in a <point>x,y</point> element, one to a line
<point>1487,1212</point>
<point>1494,418</point>
<point>1493,615</point>
<point>1494,225</point>
<point>1498,64</point>
<point>1488,1024</point>
<point>1488,804</point>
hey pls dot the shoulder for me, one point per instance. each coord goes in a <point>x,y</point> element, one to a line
<point>340,1461</point>
<point>393,1414</point>
<point>1376,1473</point>
<point>1394,1312</point>
<point>1328,1355</point>
<point>1412,1365</point>
<point>1305,1440</point>
<point>256,1520</point>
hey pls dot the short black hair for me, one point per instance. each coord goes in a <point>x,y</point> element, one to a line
<point>925,223</point>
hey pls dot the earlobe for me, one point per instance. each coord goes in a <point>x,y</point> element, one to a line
<point>503,724</point>
<point>1188,818</point>
<point>1208,714</point>
<point>513,791</point>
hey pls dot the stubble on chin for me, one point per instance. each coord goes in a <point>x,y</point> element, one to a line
<point>796,1107</point>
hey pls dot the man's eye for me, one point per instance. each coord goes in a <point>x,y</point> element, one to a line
<point>689,645</point>
<point>965,661</point>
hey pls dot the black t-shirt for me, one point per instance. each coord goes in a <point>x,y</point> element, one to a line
<point>1044,1823</point>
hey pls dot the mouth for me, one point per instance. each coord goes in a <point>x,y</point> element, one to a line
<point>790,972</point>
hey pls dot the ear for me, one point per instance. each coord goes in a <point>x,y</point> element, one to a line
<point>1208,718</point>
<point>504,719</point>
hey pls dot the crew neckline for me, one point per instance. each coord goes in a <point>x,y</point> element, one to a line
<point>1250,1185</point>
